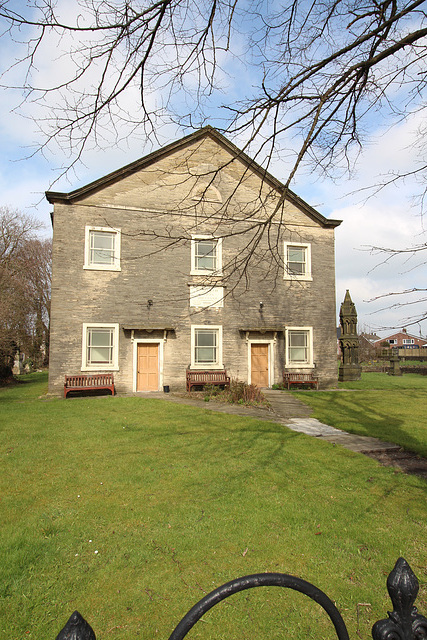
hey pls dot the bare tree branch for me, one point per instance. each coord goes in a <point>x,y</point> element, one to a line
<point>308,80</point>
<point>25,268</point>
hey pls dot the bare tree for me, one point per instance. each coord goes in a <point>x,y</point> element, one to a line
<point>314,76</point>
<point>316,70</point>
<point>413,259</point>
<point>24,288</point>
<point>38,269</point>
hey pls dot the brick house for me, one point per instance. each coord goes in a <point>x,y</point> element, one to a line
<point>402,340</point>
<point>149,275</point>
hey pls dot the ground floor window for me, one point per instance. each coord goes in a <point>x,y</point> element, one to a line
<point>299,347</point>
<point>206,347</point>
<point>100,346</point>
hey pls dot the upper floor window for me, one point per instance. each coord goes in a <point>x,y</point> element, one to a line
<point>392,341</point>
<point>297,261</point>
<point>102,248</point>
<point>408,341</point>
<point>206,255</point>
<point>100,346</point>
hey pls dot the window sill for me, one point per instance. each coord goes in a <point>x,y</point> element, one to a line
<point>298,278</point>
<point>207,274</point>
<point>292,365</point>
<point>100,368</point>
<point>93,267</point>
<point>207,367</point>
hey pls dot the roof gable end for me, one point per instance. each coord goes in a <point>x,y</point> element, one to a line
<point>208,131</point>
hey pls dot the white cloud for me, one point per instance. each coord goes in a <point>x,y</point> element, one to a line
<point>388,219</point>
<point>369,274</point>
<point>385,220</point>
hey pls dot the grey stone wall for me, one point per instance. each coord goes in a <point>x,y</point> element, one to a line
<point>154,208</point>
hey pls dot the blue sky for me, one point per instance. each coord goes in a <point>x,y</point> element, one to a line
<point>388,219</point>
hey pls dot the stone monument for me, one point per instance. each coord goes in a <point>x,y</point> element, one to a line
<point>350,368</point>
<point>18,365</point>
<point>395,369</point>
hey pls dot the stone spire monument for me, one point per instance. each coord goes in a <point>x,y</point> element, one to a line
<point>350,368</point>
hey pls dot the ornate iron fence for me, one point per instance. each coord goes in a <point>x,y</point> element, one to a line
<point>403,623</point>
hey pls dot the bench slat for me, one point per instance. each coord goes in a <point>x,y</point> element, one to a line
<point>84,382</point>
<point>300,378</point>
<point>201,378</point>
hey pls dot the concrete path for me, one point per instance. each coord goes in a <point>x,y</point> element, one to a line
<point>296,416</point>
<point>287,410</point>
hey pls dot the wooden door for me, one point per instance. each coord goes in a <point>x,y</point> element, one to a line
<point>259,364</point>
<point>148,367</point>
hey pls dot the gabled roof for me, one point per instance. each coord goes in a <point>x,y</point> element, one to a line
<point>208,131</point>
<point>403,334</point>
<point>369,337</point>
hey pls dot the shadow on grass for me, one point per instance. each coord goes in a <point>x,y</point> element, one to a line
<point>88,393</point>
<point>236,449</point>
<point>370,416</point>
<point>25,387</point>
<point>25,378</point>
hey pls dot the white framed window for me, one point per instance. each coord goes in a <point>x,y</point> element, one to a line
<point>408,341</point>
<point>297,259</point>
<point>392,341</point>
<point>299,347</point>
<point>206,297</point>
<point>102,248</point>
<point>206,347</point>
<point>206,255</point>
<point>100,346</point>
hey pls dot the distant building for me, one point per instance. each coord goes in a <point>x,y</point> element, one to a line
<point>367,348</point>
<point>402,339</point>
<point>369,337</point>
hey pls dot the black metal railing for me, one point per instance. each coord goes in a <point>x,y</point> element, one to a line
<point>403,623</point>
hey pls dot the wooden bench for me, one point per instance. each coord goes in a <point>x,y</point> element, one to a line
<point>201,378</point>
<point>87,383</point>
<point>300,378</point>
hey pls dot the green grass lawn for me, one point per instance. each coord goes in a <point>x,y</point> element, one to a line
<point>386,407</point>
<point>130,510</point>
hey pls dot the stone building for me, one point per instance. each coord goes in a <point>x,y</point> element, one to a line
<point>151,276</point>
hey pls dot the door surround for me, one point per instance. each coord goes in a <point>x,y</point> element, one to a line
<point>269,343</point>
<point>136,342</point>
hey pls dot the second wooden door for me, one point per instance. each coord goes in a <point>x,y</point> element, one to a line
<point>148,367</point>
<point>259,364</point>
